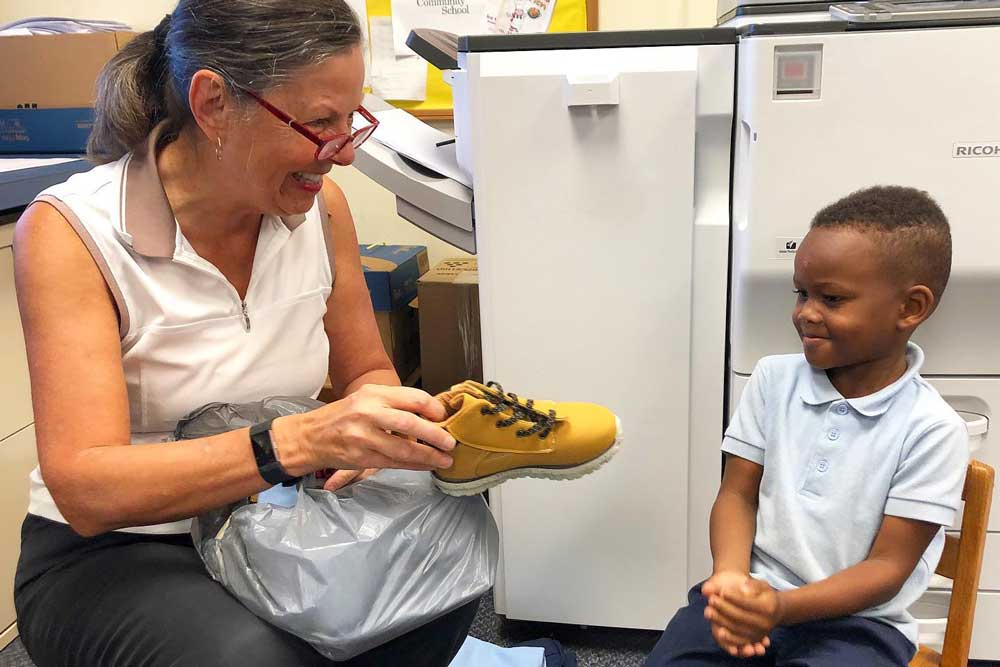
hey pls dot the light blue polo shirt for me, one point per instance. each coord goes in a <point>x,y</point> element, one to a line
<point>833,467</point>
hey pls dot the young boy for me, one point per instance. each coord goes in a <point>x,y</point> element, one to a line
<point>842,463</point>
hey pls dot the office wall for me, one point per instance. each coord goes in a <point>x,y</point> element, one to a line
<point>648,14</point>
<point>141,15</point>
<point>373,207</point>
<point>614,14</point>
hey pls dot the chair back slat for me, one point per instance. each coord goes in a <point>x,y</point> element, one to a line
<point>948,565</point>
<point>962,562</point>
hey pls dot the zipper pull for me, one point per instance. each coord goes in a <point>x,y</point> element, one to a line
<point>246,317</point>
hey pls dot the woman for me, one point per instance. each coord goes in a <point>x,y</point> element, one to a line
<point>196,263</point>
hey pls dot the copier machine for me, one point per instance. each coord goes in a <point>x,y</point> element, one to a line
<point>636,203</point>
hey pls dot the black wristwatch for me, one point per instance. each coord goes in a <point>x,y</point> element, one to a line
<point>263,451</point>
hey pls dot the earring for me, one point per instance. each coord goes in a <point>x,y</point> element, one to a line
<point>218,149</point>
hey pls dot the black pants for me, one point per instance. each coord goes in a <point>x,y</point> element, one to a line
<point>850,641</point>
<point>126,600</point>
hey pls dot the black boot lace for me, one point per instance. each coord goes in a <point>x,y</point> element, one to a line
<point>542,422</point>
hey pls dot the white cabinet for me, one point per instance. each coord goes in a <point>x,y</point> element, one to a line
<point>17,435</point>
<point>17,458</point>
<point>15,394</point>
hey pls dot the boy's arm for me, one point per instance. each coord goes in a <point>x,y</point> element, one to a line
<point>756,608</point>
<point>732,528</point>
<point>734,516</point>
<point>898,547</point>
<point>924,495</point>
<point>733,523</point>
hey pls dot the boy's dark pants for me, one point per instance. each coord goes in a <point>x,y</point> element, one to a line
<point>841,642</point>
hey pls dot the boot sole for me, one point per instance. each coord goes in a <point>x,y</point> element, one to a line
<point>474,486</point>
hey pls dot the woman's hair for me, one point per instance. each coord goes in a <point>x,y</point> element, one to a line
<point>254,44</point>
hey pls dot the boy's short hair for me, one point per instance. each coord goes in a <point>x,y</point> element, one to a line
<point>911,231</point>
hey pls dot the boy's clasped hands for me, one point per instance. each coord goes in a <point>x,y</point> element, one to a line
<point>742,611</point>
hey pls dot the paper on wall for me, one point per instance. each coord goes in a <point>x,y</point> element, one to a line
<point>394,77</point>
<point>508,17</point>
<point>462,17</point>
<point>536,16</point>
<point>360,8</point>
<point>501,15</point>
<point>490,13</point>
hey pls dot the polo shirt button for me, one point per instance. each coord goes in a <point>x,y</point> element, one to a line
<point>823,466</point>
<point>834,434</point>
<point>842,409</point>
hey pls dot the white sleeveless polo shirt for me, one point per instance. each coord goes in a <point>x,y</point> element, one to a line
<point>186,336</point>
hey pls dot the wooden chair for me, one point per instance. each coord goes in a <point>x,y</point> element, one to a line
<point>961,562</point>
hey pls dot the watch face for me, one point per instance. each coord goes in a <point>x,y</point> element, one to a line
<point>263,451</point>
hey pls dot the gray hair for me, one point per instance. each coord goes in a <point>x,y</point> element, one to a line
<point>253,44</point>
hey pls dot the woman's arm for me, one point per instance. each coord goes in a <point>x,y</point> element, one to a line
<point>101,482</point>
<point>80,403</point>
<point>357,356</point>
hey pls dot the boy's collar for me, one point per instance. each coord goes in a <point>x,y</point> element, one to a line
<point>819,390</point>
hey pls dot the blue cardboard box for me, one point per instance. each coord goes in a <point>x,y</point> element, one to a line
<point>45,130</point>
<point>391,272</point>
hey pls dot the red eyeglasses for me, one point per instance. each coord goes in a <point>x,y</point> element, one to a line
<point>326,149</point>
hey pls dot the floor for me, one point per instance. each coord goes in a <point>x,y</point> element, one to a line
<point>594,647</point>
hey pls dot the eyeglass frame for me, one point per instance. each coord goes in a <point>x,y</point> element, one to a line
<point>345,137</point>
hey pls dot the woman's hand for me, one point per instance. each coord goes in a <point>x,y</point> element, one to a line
<point>374,427</point>
<point>342,478</point>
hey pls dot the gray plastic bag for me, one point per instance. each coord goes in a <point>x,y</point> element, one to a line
<point>351,570</point>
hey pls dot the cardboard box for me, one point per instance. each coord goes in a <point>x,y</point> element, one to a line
<point>400,332</point>
<point>391,272</point>
<point>450,335</point>
<point>48,88</point>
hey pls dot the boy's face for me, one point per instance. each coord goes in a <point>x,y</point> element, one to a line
<point>847,306</point>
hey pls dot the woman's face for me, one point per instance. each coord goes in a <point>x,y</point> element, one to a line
<point>274,164</point>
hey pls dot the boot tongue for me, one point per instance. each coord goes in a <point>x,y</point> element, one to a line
<point>452,400</point>
<point>474,388</point>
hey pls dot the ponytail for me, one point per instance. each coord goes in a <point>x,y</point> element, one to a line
<point>131,96</point>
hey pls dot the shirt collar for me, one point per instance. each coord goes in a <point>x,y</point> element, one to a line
<point>818,390</point>
<point>148,220</point>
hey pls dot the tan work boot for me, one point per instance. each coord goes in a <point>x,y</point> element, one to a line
<point>501,437</point>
